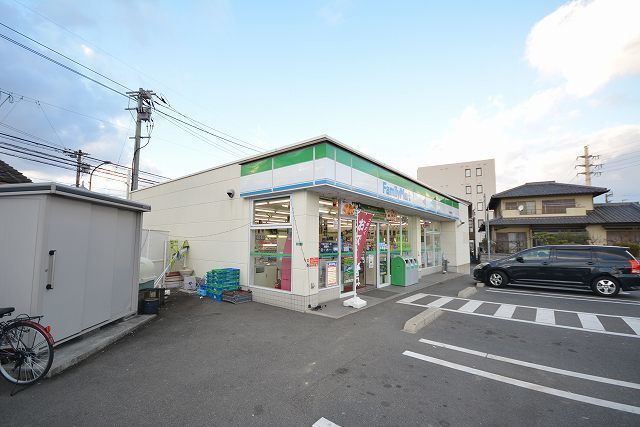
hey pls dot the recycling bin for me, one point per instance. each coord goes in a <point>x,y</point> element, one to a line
<point>404,271</point>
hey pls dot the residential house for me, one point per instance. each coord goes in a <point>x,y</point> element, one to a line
<point>9,175</point>
<point>533,213</point>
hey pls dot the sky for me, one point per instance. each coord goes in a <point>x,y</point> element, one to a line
<point>412,83</point>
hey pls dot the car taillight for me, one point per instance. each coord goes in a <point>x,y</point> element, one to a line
<point>635,266</point>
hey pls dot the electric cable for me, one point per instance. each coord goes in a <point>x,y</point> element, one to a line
<point>64,56</point>
<point>17,43</point>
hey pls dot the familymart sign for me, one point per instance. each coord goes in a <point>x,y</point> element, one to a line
<point>327,164</point>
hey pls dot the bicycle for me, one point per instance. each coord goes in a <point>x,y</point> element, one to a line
<point>26,348</point>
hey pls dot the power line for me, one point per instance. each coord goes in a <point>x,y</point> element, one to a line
<point>204,124</point>
<point>17,43</point>
<point>207,132</point>
<point>200,137</point>
<point>64,56</point>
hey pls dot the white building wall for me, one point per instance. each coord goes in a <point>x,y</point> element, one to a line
<point>197,208</point>
<point>454,239</point>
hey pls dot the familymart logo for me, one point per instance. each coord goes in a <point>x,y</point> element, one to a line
<point>395,191</point>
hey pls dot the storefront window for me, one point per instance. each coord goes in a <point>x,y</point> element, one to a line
<point>431,250</point>
<point>272,211</point>
<point>383,246</point>
<point>346,259</point>
<point>328,246</point>
<point>271,256</point>
<point>405,247</point>
<point>394,238</point>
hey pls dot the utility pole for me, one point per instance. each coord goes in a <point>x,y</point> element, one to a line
<point>587,165</point>
<point>143,114</point>
<point>607,197</point>
<point>80,167</point>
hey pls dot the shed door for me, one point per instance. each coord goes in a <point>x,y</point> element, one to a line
<point>68,231</point>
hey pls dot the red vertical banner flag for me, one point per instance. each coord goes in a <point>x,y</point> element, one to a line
<point>363,222</point>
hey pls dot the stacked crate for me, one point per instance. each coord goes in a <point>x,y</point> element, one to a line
<point>219,280</point>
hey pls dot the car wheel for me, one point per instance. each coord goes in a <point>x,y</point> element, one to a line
<point>497,279</point>
<point>605,286</point>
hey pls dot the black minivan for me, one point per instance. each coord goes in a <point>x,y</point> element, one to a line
<point>603,269</point>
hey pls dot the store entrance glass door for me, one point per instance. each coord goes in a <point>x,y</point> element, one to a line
<point>369,259</point>
<point>383,254</point>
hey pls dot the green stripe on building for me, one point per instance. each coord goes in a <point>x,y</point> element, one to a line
<point>293,157</point>
<point>327,150</point>
<point>256,167</point>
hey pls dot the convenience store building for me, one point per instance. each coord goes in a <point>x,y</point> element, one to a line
<point>286,219</point>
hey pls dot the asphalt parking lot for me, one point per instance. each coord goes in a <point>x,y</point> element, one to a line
<point>519,356</point>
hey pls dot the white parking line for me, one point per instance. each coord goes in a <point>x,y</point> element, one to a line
<point>534,365</point>
<point>412,298</point>
<point>633,323</point>
<point>545,315</point>
<point>505,310</point>
<point>323,422</point>
<point>470,306</point>
<point>524,384</point>
<point>588,299</point>
<point>440,302</point>
<point>590,321</point>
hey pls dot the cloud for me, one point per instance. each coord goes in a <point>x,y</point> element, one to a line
<point>587,43</point>
<point>333,12</point>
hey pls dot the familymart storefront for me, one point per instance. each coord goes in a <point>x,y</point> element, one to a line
<point>303,201</point>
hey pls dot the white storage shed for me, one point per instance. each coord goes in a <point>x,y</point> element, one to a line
<point>69,254</point>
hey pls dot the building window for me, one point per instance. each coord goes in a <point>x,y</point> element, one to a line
<point>467,173</point>
<point>525,207</point>
<point>479,188</point>
<point>478,171</point>
<point>480,206</point>
<point>480,223</point>
<point>557,206</point>
<point>508,243</point>
<point>328,244</point>
<point>271,258</point>
<point>468,189</point>
<point>272,211</point>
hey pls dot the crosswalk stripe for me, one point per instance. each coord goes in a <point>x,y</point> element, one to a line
<point>545,315</point>
<point>590,321</point>
<point>412,298</point>
<point>440,302</point>
<point>505,310</point>
<point>633,323</point>
<point>471,306</point>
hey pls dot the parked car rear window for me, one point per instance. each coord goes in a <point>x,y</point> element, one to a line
<point>613,255</point>
<point>573,255</point>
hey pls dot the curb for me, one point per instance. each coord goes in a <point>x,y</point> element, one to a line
<point>70,355</point>
<point>467,292</point>
<point>421,320</point>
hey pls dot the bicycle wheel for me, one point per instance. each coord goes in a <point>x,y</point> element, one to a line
<point>25,353</point>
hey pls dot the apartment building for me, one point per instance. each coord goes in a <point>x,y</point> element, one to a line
<point>474,181</point>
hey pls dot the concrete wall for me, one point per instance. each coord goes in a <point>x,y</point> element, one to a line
<point>597,234</point>
<point>197,208</point>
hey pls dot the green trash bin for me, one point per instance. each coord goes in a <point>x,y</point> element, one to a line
<point>399,271</point>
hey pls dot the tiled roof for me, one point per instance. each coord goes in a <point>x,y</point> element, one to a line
<point>602,213</point>
<point>9,175</point>
<point>545,188</point>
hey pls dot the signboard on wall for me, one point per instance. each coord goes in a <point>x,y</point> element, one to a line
<point>332,273</point>
<point>313,262</point>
